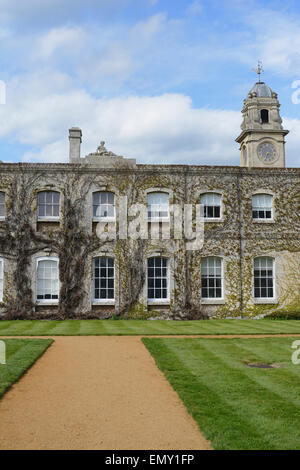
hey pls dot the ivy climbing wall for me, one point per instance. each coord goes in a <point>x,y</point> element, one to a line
<point>237,238</point>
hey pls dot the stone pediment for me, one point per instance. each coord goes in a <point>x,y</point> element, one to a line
<point>107,159</point>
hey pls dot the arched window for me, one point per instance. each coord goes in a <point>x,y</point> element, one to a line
<point>48,205</point>
<point>158,206</point>
<point>211,277</point>
<point>212,205</point>
<point>104,278</point>
<point>157,277</point>
<point>103,205</point>
<point>1,278</point>
<point>262,206</point>
<point>264,116</point>
<point>2,205</point>
<point>264,278</point>
<point>47,278</point>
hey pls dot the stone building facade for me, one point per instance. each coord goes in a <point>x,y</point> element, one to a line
<point>53,264</point>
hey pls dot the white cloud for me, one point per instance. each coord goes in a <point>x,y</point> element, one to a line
<point>153,129</point>
<point>146,30</point>
<point>66,39</point>
<point>57,151</point>
<point>194,8</point>
<point>276,40</point>
<point>163,128</point>
<point>66,61</point>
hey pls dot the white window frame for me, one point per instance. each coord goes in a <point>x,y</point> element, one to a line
<point>264,208</point>
<point>214,300</point>
<point>160,218</point>
<point>265,300</point>
<point>104,218</point>
<point>212,219</point>
<point>49,217</point>
<point>106,301</point>
<point>46,301</point>
<point>2,217</point>
<point>161,301</point>
<point>2,279</point>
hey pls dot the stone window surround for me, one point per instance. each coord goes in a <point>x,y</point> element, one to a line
<point>155,189</point>
<point>159,189</point>
<point>221,193</point>
<point>221,300</point>
<point>51,188</point>
<point>268,300</point>
<point>102,254</point>
<point>170,260</point>
<point>165,301</point>
<point>269,193</point>
<point>103,301</point>
<point>89,201</point>
<point>104,219</point>
<point>42,256</point>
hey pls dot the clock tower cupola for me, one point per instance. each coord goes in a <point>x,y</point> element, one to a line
<point>262,140</point>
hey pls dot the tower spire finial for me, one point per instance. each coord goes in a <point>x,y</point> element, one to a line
<point>259,70</point>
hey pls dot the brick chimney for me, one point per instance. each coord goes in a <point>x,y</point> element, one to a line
<point>75,138</point>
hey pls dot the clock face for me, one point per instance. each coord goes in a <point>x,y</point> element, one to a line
<point>267,152</point>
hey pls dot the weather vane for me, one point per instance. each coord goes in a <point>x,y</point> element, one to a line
<point>259,70</point>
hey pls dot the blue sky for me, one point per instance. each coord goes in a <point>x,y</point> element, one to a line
<point>158,80</point>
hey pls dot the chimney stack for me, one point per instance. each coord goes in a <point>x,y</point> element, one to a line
<point>75,138</point>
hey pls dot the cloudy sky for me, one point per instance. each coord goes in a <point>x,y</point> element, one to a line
<point>158,80</point>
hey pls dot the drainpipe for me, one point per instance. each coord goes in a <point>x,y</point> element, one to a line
<point>241,243</point>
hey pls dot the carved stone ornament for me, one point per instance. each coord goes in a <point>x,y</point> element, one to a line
<point>102,151</point>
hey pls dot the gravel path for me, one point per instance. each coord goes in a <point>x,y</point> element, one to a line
<point>96,393</point>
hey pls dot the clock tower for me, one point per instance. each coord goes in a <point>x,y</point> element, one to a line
<point>262,140</point>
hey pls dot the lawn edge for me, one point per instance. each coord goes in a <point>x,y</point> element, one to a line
<point>50,342</point>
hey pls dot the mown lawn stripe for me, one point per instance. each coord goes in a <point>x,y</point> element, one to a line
<point>147,327</point>
<point>220,423</point>
<point>244,408</point>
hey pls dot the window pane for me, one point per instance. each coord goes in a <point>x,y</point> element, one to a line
<point>96,198</point>
<point>211,277</point>
<point>42,197</point>
<point>48,204</point>
<point>48,211</point>
<point>49,196</point>
<point>263,277</point>
<point>47,280</point>
<point>262,206</point>
<point>41,211</point>
<point>111,198</point>
<point>103,204</point>
<point>212,205</point>
<point>56,198</point>
<point>103,277</point>
<point>158,205</point>
<point>157,278</point>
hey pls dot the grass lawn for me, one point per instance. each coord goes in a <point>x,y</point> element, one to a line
<point>235,406</point>
<point>147,327</point>
<point>20,355</point>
